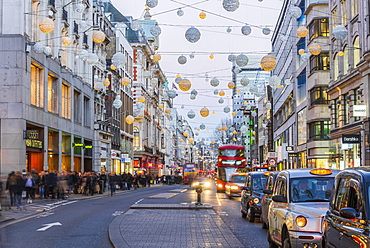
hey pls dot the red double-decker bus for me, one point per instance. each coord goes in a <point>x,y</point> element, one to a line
<point>231,160</point>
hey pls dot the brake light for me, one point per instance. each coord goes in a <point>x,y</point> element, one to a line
<point>321,172</point>
<point>359,241</point>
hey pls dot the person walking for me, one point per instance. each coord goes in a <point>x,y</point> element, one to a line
<point>41,185</point>
<point>112,183</point>
<point>19,187</point>
<point>129,180</point>
<point>29,184</point>
<point>135,182</point>
<point>10,187</point>
<point>35,177</point>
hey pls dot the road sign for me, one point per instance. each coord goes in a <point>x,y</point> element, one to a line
<point>272,154</point>
<point>272,162</point>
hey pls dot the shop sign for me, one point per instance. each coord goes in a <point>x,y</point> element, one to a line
<point>351,138</point>
<point>150,164</point>
<point>78,144</point>
<point>289,148</point>
<point>272,154</point>
<point>113,154</point>
<point>359,110</point>
<point>31,134</point>
<point>292,154</point>
<point>88,147</point>
<point>34,143</point>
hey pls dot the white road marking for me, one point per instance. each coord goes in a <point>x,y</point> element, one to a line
<point>117,213</point>
<point>44,215</point>
<point>47,226</point>
<point>139,201</point>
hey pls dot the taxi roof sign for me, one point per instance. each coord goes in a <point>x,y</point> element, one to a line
<point>321,172</point>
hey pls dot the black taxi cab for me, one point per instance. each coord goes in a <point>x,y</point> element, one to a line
<point>267,197</point>
<point>299,203</point>
<point>347,223</point>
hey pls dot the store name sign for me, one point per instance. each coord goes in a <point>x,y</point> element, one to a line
<point>34,143</point>
<point>31,134</point>
<point>351,138</point>
<point>359,110</point>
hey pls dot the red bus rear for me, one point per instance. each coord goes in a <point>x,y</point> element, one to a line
<point>231,160</point>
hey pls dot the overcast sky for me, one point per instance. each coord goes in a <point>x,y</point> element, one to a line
<point>214,40</point>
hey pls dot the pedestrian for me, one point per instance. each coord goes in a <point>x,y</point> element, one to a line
<point>18,189</point>
<point>29,184</point>
<point>41,184</point>
<point>10,187</point>
<point>51,184</point>
<point>135,182</point>
<point>35,177</point>
<point>103,182</point>
<point>112,183</point>
<point>129,180</point>
<point>124,181</point>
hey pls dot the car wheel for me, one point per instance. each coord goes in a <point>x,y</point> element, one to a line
<point>271,243</point>
<point>244,215</point>
<point>251,215</point>
<point>286,243</point>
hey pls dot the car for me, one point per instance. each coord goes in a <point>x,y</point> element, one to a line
<point>250,207</point>
<point>204,182</point>
<point>300,201</point>
<point>347,221</point>
<point>267,197</point>
<point>235,184</point>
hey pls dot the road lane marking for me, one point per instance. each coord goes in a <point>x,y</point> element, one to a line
<point>47,226</point>
<point>139,201</point>
<point>117,213</point>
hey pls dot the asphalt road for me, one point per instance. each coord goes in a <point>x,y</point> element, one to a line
<point>85,223</point>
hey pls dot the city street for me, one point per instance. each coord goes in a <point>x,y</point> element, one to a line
<point>85,223</point>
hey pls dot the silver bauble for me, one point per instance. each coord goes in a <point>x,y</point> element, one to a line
<point>192,35</point>
<point>246,30</point>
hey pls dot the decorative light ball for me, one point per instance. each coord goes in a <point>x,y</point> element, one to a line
<point>98,86</point>
<point>39,47</point>
<point>178,80</point>
<point>125,81</point>
<point>224,128</point>
<point>243,129</point>
<point>192,97</point>
<point>231,85</point>
<point>191,114</point>
<point>157,57</point>
<point>295,12</point>
<point>237,69</point>
<point>268,63</point>
<point>242,60</point>
<point>237,91</point>
<point>221,93</point>
<point>264,125</point>
<point>130,119</point>
<point>66,41</point>
<point>211,56</point>
<point>194,92</point>
<point>302,32</point>
<point>246,30</point>
<point>202,126</point>
<point>119,60</point>
<point>315,49</point>
<point>301,51</point>
<point>106,82</point>
<point>230,5</point>
<point>192,35</point>
<point>167,110</point>
<point>185,85</point>
<point>117,103</point>
<point>340,32</point>
<point>47,25</point>
<point>266,31</point>
<point>186,134</point>
<point>155,30</point>
<point>92,59</point>
<point>221,101</point>
<point>182,60</point>
<point>182,152</point>
<point>287,81</point>
<point>178,76</point>
<point>202,15</point>
<point>204,112</point>
<point>98,36</point>
<point>226,109</point>
<point>47,50</point>
<point>161,106</point>
<point>171,93</point>
<point>274,82</point>
<point>341,53</point>
<point>180,12</point>
<point>231,129</point>
<point>219,129</point>
<point>191,140</point>
<point>233,113</point>
<point>215,82</point>
<point>268,105</point>
<point>231,58</point>
<point>152,3</point>
<point>215,92</point>
<point>305,57</point>
<point>196,134</point>
<point>254,114</point>
<point>135,25</point>
<point>192,55</point>
<point>113,67</point>
<point>84,54</point>
<point>80,7</point>
<point>244,81</point>
<point>141,99</point>
<point>229,29</point>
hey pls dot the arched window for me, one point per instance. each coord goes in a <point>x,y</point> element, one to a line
<point>344,12</point>
<point>345,60</point>
<point>356,51</point>
<point>136,138</point>
<point>354,8</point>
<point>336,67</point>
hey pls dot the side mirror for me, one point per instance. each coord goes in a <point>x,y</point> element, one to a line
<point>348,213</point>
<point>279,198</point>
<point>267,191</point>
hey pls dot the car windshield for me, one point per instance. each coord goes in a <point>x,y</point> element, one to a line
<point>258,182</point>
<point>311,189</point>
<point>237,179</point>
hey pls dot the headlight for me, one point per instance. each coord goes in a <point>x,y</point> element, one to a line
<point>196,184</point>
<point>234,187</point>
<point>301,221</point>
<point>256,200</point>
<point>207,184</point>
<point>219,185</point>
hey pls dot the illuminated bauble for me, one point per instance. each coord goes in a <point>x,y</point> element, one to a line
<point>246,30</point>
<point>221,101</point>
<point>178,80</point>
<point>237,91</point>
<point>341,53</point>
<point>84,54</point>
<point>315,49</point>
<point>182,152</point>
<point>180,12</point>
<point>219,129</point>
<point>211,56</point>
<point>302,32</point>
<point>161,105</point>
<point>301,51</point>
<point>231,58</point>
<point>243,129</point>
<point>305,57</point>
<point>152,3</point>
<point>202,15</point>
<point>233,113</point>
<point>80,7</point>
<point>141,99</point>
<point>167,110</point>
<point>204,112</point>
<point>98,86</point>
<point>155,30</point>
<point>192,97</point>
<point>98,36</point>
<point>66,41</point>
<point>135,25</point>
<point>221,93</point>
<point>224,128</point>
<point>47,25</point>
<point>340,32</point>
<point>231,85</point>
<point>140,105</point>
<point>215,82</point>
<point>171,93</point>
<point>229,29</point>
<point>182,106</point>
<point>244,81</point>
<point>196,134</point>
<point>274,82</point>
<point>295,12</point>
<point>182,60</point>
<point>185,85</point>
<point>117,103</point>
<point>39,47</point>
<point>125,81</point>
<point>194,92</point>
<point>287,81</point>
<point>268,105</point>
<point>106,82</point>
<point>119,60</point>
<point>268,63</point>
<point>92,59</point>
<point>242,60</point>
<point>192,55</point>
<point>157,57</point>
<point>253,114</point>
<point>202,126</point>
<point>113,67</point>
<point>215,92</point>
<point>191,114</point>
<point>185,134</point>
<point>230,5</point>
<point>237,70</point>
<point>226,109</point>
<point>130,119</point>
<point>47,50</point>
<point>192,35</point>
<point>191,140</point>
<point>266,31</point>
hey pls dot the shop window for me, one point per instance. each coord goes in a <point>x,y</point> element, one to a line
<point>319,130</point>
<point>66,101</point>
<point>345,112</point>
<point>319,28</point>
<point>335,113</point>
<point>318,96</point>
<point>345,60</point>
<point>136,139</point>
<point>37,86</point>
<point>320,62</point>
<point>87,112</point>
<point>357,100</point>
<point>301,88</point>
<point>52,94</point>
<point>77,107</point>
<point>356,51</point>
<point>336,67</point>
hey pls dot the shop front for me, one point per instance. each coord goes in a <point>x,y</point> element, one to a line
<point>345,151</point>
<point>34,137</point>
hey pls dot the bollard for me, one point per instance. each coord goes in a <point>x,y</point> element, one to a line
<point>199,191</point>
